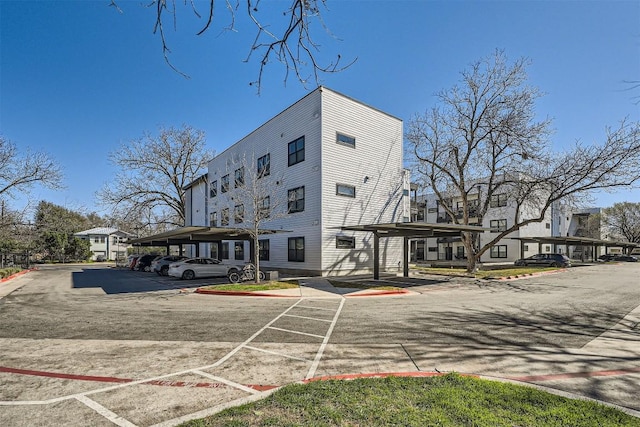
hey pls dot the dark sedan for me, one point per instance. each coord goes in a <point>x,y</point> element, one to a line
<point>549,260</point>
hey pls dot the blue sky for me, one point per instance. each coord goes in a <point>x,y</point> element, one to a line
<point>78,79</point>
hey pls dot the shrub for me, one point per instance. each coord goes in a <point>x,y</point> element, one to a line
<point>6,272</point>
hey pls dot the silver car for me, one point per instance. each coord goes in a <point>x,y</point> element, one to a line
<point>200,267</point>
<point>161,265</point>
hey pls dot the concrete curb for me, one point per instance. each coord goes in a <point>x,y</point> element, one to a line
<point>13,276</point>
<point>360,293</point>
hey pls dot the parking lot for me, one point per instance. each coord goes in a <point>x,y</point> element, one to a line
<point>91,345</point>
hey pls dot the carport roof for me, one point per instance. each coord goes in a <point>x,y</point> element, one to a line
<point>415,229</point>
<point>195,234</point>
<point>575,240</point>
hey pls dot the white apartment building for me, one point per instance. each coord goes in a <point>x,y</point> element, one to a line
<point>106,242</point>
<point>335,162</point>
<point>559,221</point>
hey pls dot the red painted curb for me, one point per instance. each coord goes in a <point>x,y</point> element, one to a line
<point>165,383</point>
<point>20,273</point>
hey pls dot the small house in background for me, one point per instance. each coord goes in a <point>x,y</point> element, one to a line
<point>107,244</point>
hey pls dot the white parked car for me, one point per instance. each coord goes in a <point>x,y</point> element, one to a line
<point>192,268</point>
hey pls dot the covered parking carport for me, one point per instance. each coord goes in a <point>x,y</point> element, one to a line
<point>409,230</point>
<point>194,235</point>
<point>567,241</point>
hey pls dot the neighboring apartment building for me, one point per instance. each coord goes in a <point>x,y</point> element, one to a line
<point>335,162</point>
<point>106,243</point>
<point>559,221</point>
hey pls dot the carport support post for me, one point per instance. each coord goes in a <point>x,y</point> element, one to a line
<point>405,257</point>
<point>376,256</point>
<point>252,251</point>
<point>521,248</point>
<point>539,247</point>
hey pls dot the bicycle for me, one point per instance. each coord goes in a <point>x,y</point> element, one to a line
<point>247,274</point>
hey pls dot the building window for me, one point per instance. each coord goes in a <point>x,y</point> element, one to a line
<point>213,189</point>
<point>296,249</point>
<point>224,184</point>
<point>345,190</point>
<point>345,242</point>
<point>96,239</point>
<point>296,151</point>
<point>264,165</point>
<point>238,249</point>
<point>525,248</point>
<point>264,207</point>
<point>346,140</point>
<point>498,225</point>
<point>213,219</point>
<point>547,225</point>
<point>263,250</point>
<point>460,252</point>
<point>432,249</point>
<point>432,210</point>
<point>224,250</point>
<point>238,214</point>
<point>498,200</point>
<point>239,177</point>
<point>498,251</point>
<point>296,200</point>
<point>224,217</point>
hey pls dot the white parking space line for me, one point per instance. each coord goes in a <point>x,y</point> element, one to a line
<point>309,318</point>
<point>317,308</point>
<point>277,354</point>
<point>111,416</point>
<point>316,362</point>
<point>225,381</point>
<point>296,332</point>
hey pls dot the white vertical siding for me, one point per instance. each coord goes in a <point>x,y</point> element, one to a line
<point>273,137</point>
<point>373,167</point>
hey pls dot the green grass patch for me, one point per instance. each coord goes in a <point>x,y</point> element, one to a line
<point>252,287</point>
<point>450,400</point>
<point>484,274</point>
<point>9,271</point>
<point>362,285</point>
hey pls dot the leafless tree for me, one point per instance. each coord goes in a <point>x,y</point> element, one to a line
<point>19,172</point>
<point>153,172</point>
<point>292,45</point>
<point>623,220</point>
<point>258,197</point>
<point>483,143</point>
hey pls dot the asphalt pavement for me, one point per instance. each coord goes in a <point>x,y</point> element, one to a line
<point>91,345</point>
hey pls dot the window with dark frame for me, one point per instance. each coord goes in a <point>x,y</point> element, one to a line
<point>239,177</point>
<point>345,242</point>
<point>213,219</point>
<point>296,249</point>
<point>264,207</point>
<point>296,200</point>
<point>432,249</point>
<point>498,200</point>
<point>224,184</point>
<point>238,250</point>
<point>263,249</point>
<point>224,216</point>
<point>264,165</point>
<point>296,151</point>
<point>224,250</point>
<point>238,214</point>
<point>498,225</point>
<point>345,190</point>
<point>460,252</point>
<point>213,189</point>
<point>498,251</point>
<point>345,140</point>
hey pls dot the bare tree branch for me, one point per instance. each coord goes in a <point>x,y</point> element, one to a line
<point>293,47</point>
<point>483,140</point>
<point>19,173</point>
<point>154,170</point>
